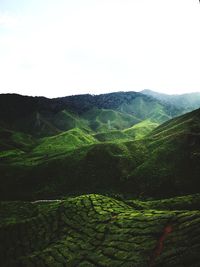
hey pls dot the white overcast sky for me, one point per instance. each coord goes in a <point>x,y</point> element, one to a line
<point>63,47</point>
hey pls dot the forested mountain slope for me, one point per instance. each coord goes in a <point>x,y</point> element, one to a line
<point>163,163</point>
<point>188,102</point>
<point>41,117</point>
<point>108,180</point>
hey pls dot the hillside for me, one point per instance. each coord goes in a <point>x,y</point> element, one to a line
<point>162,163</point>
<point>141,129</point>
<point>94,230</point>
<point>185,124</point>
<point>10,140</point>
<point>173,162</point>
<point>42,117</point>
<point>187,102</point>
<point>106,180</point>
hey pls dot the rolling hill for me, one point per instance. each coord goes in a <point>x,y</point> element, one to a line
<point>42,117</point>
<point>107,180</point>
<point>173,164</point>
<point>163,163</point>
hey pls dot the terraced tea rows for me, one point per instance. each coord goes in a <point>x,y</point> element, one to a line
<point>94,230</point>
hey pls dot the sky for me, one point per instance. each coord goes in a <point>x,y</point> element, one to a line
<point>66,47</point>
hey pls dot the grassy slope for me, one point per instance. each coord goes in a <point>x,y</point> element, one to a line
<point>185,124</point>
<point>173,161</point>
<point>188,101</point>
<point>113,135</point>
<point>42,124</point>
<point>14,144</point>
<point>101,120</point>
<point>43,117</point>
<point>147,109</point>
<point>15,140</point>
<point>137,131</point>
<point>63,142</point>
<point>92,168</point>
<point>140,130</point>
<point>94,230</point>
<point>147,167</point>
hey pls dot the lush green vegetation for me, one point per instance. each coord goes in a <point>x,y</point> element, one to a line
<point>140,130</point>
<point>43,117</point>
<point>94,230</point>
<point>63,142</point>
<point>187,102</point>
<point>78,161</point>
<point>68,151</point>
<point>188,202</point>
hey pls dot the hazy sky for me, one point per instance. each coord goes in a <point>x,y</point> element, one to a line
<point>63,47</point>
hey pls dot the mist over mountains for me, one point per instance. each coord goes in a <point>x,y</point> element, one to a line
<point>188,101</point>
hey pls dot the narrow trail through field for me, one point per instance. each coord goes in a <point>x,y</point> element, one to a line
<point>46,200</point>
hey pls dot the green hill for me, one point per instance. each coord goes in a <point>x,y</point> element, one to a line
<point>15,140</point>
<point>172,166</point>
<point>43,117</point>
<point>101,120</point>
<point>140,130</point>
<point>63,142</point>
<point>109,136</point>
<point>186,124</point>
<point>137,131</point>
<point>98,181</point>
<point>164,163</point>
<point>102,167</point>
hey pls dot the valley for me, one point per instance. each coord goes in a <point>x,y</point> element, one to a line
<point>118,173</point>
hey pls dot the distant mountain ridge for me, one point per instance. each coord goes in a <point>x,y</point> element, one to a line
<point>41,116</point>
<point>187,101</point>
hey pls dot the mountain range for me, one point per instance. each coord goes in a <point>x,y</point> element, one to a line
<point>90,173</point>
<point>74,142</point>
<point>40,116</point>
<point>188,101</point>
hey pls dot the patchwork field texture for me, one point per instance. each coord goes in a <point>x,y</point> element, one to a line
<point>95,230</point>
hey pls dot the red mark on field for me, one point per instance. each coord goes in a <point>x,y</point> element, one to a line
<point>159,248</point>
